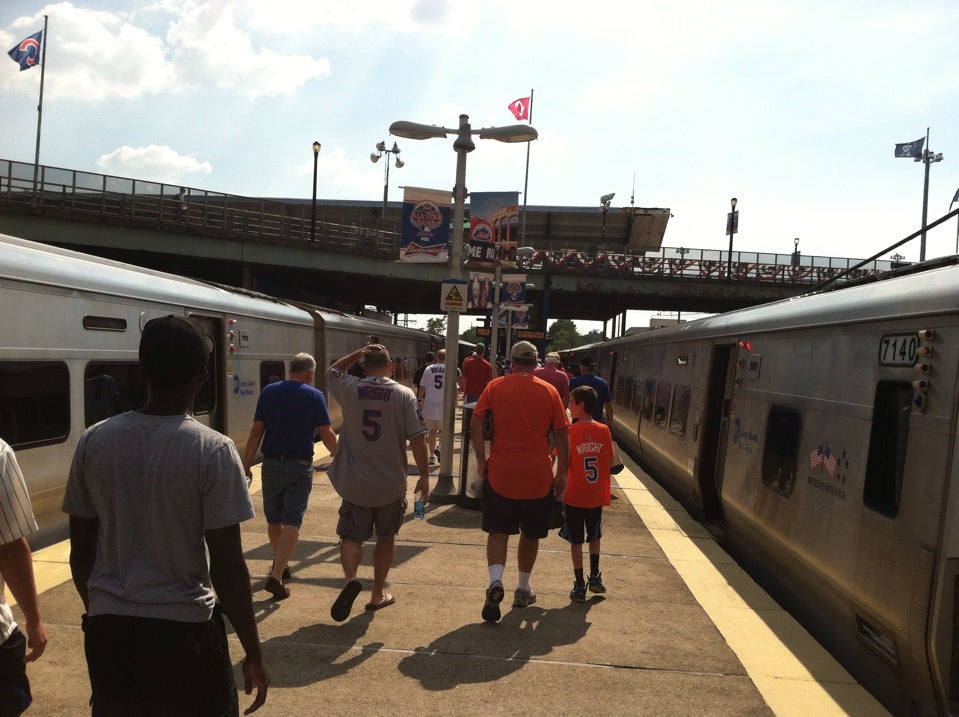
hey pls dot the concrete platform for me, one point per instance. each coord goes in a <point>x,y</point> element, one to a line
<point>681,631</point>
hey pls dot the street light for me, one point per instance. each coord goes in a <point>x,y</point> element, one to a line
<point>796,251</point>
<point>462,145</point>
<point>926,158</point>
<point>316,154</point>
<point>604,204</point>
<point>732,226</point>
<point>375,157</point>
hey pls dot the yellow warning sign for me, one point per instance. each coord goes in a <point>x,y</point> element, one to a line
<point>453,295</point>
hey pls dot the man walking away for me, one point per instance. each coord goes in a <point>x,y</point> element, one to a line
<point>587,377</point>
<point>151,494</point>
<point>518,481</point>
<point>289,415</point>
<point>369,471</point>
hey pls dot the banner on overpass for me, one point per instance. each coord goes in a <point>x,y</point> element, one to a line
<point>494,229</point>
<point>426,226</point>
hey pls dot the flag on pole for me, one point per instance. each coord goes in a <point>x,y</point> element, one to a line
<point>520,108</point>
<point>910,149</point>
<point>27,53</point>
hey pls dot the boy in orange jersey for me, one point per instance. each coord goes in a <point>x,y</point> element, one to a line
<point>587,490</point>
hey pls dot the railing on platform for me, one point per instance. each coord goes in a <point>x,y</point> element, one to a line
<point>85,196</point>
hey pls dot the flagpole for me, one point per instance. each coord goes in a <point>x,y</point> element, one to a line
<point>43,69</point>
<point>522,227</point>
<point>925,199</point>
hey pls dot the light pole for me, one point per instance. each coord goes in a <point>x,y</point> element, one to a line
<point>796,251</point>
<point>926,158</point>
<point>732,226</point>
<point>462,145</point>
<point>316,154</point>
<point>604,204</point>
<point>375,157</point>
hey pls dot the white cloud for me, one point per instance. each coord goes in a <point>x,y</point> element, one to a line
<point>94,55</point>
<point>158,164</point>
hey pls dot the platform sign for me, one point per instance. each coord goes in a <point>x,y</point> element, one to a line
<point>453,295</point>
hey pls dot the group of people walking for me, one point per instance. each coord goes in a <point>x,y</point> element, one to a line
<point>155,500</point>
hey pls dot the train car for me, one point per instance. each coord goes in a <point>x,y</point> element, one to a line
<point>817,437</point>
<point>69,337</point>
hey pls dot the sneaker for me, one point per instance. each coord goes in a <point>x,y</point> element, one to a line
<point>596,583</point>
<point>432,460</point>
<point>494,596</point>
<point>578,593</point>
<point>523,598</point>
<point>437,454</point>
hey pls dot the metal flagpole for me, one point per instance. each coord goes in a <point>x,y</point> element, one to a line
<point>43,69</point>
<point>925,199</point>
<point>522,226</point>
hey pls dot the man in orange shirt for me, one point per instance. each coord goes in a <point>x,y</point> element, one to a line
<point>518,481</point>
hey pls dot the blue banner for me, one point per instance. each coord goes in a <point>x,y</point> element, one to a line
<point>494,229</point>
<point>426,226</point>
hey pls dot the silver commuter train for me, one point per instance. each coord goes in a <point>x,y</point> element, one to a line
<point>817,437</point>
<point>69,333</point>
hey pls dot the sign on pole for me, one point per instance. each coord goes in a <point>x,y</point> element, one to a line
<point>453,295</point>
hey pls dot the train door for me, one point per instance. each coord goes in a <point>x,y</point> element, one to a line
<point>210,405</point>
<point>719,390</point>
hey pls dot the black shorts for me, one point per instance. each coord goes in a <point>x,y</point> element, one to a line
<point>581,525</point>
<point>145,666</point>
<point>510,516</point>
<point>14,687</point>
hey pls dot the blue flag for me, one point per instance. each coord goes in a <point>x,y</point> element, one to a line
<point>910,149</point>
<point>27,53</point>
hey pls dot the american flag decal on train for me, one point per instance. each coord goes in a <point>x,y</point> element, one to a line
<point>822,456</point>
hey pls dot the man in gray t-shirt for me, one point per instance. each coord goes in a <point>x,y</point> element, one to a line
<point>369,469</point>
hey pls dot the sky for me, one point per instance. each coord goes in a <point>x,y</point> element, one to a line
<point>792,107</point>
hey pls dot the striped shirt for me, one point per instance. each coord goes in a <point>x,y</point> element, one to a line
<point>16,520</point>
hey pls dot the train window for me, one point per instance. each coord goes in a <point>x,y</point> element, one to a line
<point>648,399</point>
<point>34,402</point>
<point>887,447</point>
<point>104,323</point>
<point>636,405</point>
<point>662,403</point>
<point>679,410</point>
<point>271,372</point>
<point>111,388</point>
<point>781,454</point>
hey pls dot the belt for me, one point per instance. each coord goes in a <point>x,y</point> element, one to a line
<point>290,457</point>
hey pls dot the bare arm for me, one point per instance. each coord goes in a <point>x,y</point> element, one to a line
<point>561,441</point>
<point>609,413</point>
<point>16,566</point>
<point>252,446</point>
<point>83,551</point>
<point>231,580</point>
<point>328,437</point>
<point>344,363</point>
<point>479,444</point>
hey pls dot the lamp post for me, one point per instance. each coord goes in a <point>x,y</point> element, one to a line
<point>375,157</point>
<point>604,205</point>
<point>926,158</point>
<point>732,226</point>
<point>462,145</point>
<point>316,154</point>
<point>796,251</point>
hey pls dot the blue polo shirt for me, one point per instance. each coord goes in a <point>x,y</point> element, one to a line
<point>291,410</point>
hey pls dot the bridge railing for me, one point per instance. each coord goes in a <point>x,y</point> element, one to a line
<point>86,196</point>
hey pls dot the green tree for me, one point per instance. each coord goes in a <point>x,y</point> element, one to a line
<point>471,336</point>
<point>436,325</point>
<point>563,335</point>
<point>593,336</point>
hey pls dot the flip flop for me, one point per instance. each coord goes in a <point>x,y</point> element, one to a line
<point>385,602</point>
<point>344,602</point>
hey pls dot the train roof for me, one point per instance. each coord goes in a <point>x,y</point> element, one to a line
<point>918,292</point>
<point>36,263</point>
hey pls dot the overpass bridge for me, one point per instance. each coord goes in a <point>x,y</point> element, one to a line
<point>347,258</point>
